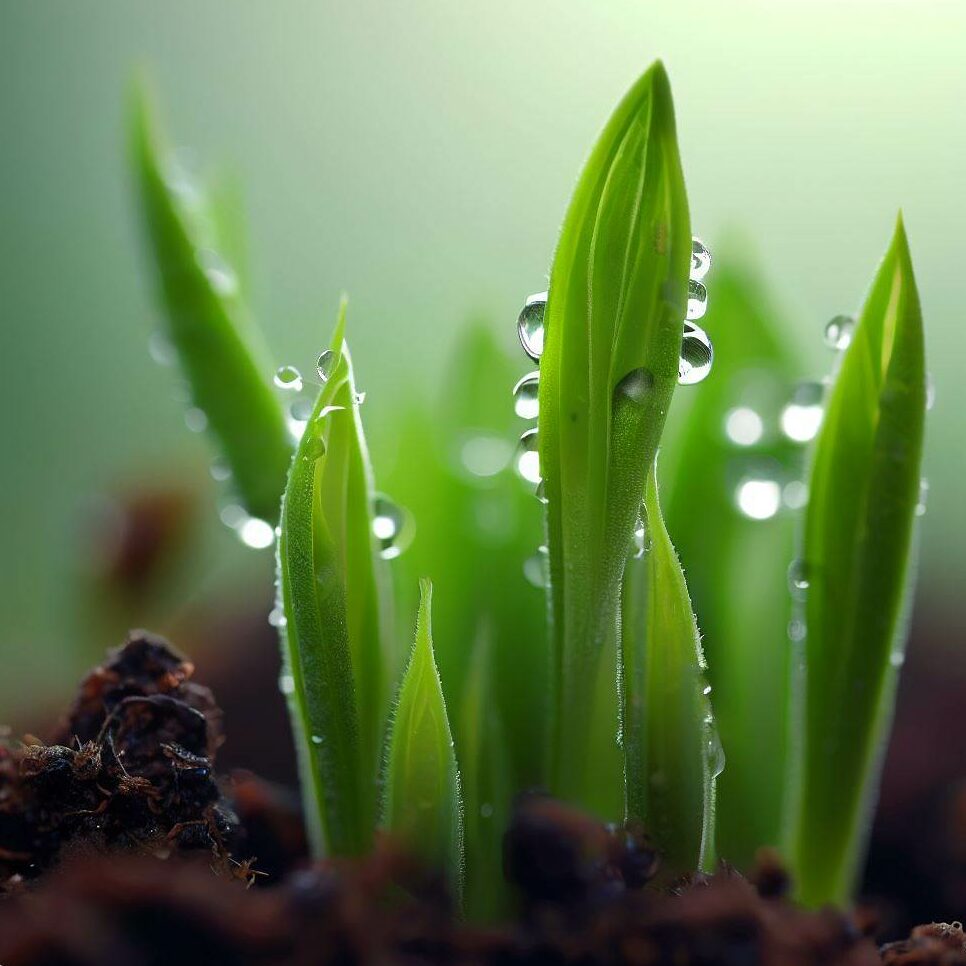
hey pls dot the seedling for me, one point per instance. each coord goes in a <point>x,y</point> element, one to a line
<point>600,692</point>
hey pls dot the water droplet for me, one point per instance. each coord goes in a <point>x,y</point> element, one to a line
<point>706,690</point>
<point>525,393</point>
<point>486,810</point>
<point>697,300</point>
<point>923,497</point>
<point>220,470</point>
<point>641,538</point>
<point>326,364</point>
<point>276,617</point>
<point>536,568</point>
<point>715,752</point>
<point>897,658</point>
<point>798,579</point>
<point>700,259</point>
<point>314,448</point>
<point>530,325</point>
<point>392,527</point>
<point>802,417</point>
<point>930,392</point>
<point>758,498</point>
<point>160,349</point>
<point>286,684</point>
<point>528,458</point>
<point>288,377</point>
<point>541,492</point>
<point>795,494</point>
<point>796,631</point>
<point>839,332</point>
<point>219,273</point>
<point>316,739</point>
<point>743,426</point>
<point>635,385</point>
<point>195,420</point>
<point>485,454</point>
<point>697,355</point>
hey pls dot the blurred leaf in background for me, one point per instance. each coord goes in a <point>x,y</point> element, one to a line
<point>733,480</point>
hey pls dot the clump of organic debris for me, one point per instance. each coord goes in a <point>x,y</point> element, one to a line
<point>130,769</point>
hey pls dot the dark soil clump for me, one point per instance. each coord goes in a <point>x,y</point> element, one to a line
<point>118,845</point>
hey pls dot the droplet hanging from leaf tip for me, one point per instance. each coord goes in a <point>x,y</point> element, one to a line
<point>839,332</point>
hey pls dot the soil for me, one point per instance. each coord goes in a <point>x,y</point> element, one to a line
<point>121,844</point>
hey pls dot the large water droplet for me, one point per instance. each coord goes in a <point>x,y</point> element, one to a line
<point>743,426</point>
<point>530,325</point>
<point>798,579</point>
<point>697,300</point>
<point>325,365</point>
<point>528,458</point>
<point>700,259</point>
<point>758,497</point>
<point>802,417</point>
<point>392,526</point>
<point>525,396</point>
<point>485,454</point>
<point>288,377</point>
<point>219,273</point>
<point>839,332</point>
<point>697,355</point>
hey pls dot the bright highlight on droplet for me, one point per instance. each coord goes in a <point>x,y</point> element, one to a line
<point>525,393</point>
<point>839,331</point>
<point>802,417</point>
<point>530,325</point>
<point>391,526</point>
<point>758,499</point>
<point>528,459</point>
<point>744,426</point>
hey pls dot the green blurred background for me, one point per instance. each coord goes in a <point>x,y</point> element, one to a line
<point>420,157</point>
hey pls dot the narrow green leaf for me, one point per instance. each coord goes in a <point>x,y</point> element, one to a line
<point>482,747</point>
<point>422,805</point>
<point>736,558</point>
<point>857,561</point>
<point>331,638</point>
<point>672,755</point>
<point>614,323</point>
<point>218,348</point>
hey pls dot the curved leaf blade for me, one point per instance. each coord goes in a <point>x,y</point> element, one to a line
<point>737,564</point>
<point>422,806</point>
<point>208,324</point>
<point>332,637</point>
<point>614,321</point>
<point>672,755</point>
<point>857,556</point>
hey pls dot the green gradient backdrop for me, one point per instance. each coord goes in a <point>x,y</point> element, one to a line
<point>420,155</point>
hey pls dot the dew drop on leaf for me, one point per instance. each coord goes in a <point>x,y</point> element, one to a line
<point>528,457</point>
<point>219,273</point>
<point>839,331</point>
<point>392,526</point>
<point>220,470</point>
<point>700,259</point>
<point>536,568</point>
<point>325,365</point>
<point>796,631</point>
<point>160,349</point>
<point>697,300</point>
<point>286,684</point>
<point>530,325</point>
<point>697,355</point>
<point>288,377</point>
<point>798,579</point>
<point>525,393</point>
<point>276,617</point>
<point>541,492</point>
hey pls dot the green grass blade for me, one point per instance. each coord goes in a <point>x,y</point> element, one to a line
<point>422,805</point>
<point>208,325</point>
<point>614,321</point>
<point>858,547</point>
<point>331,637</point>
<point>482,748</point>
<point>737,563</point>
<point>671,750</point>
